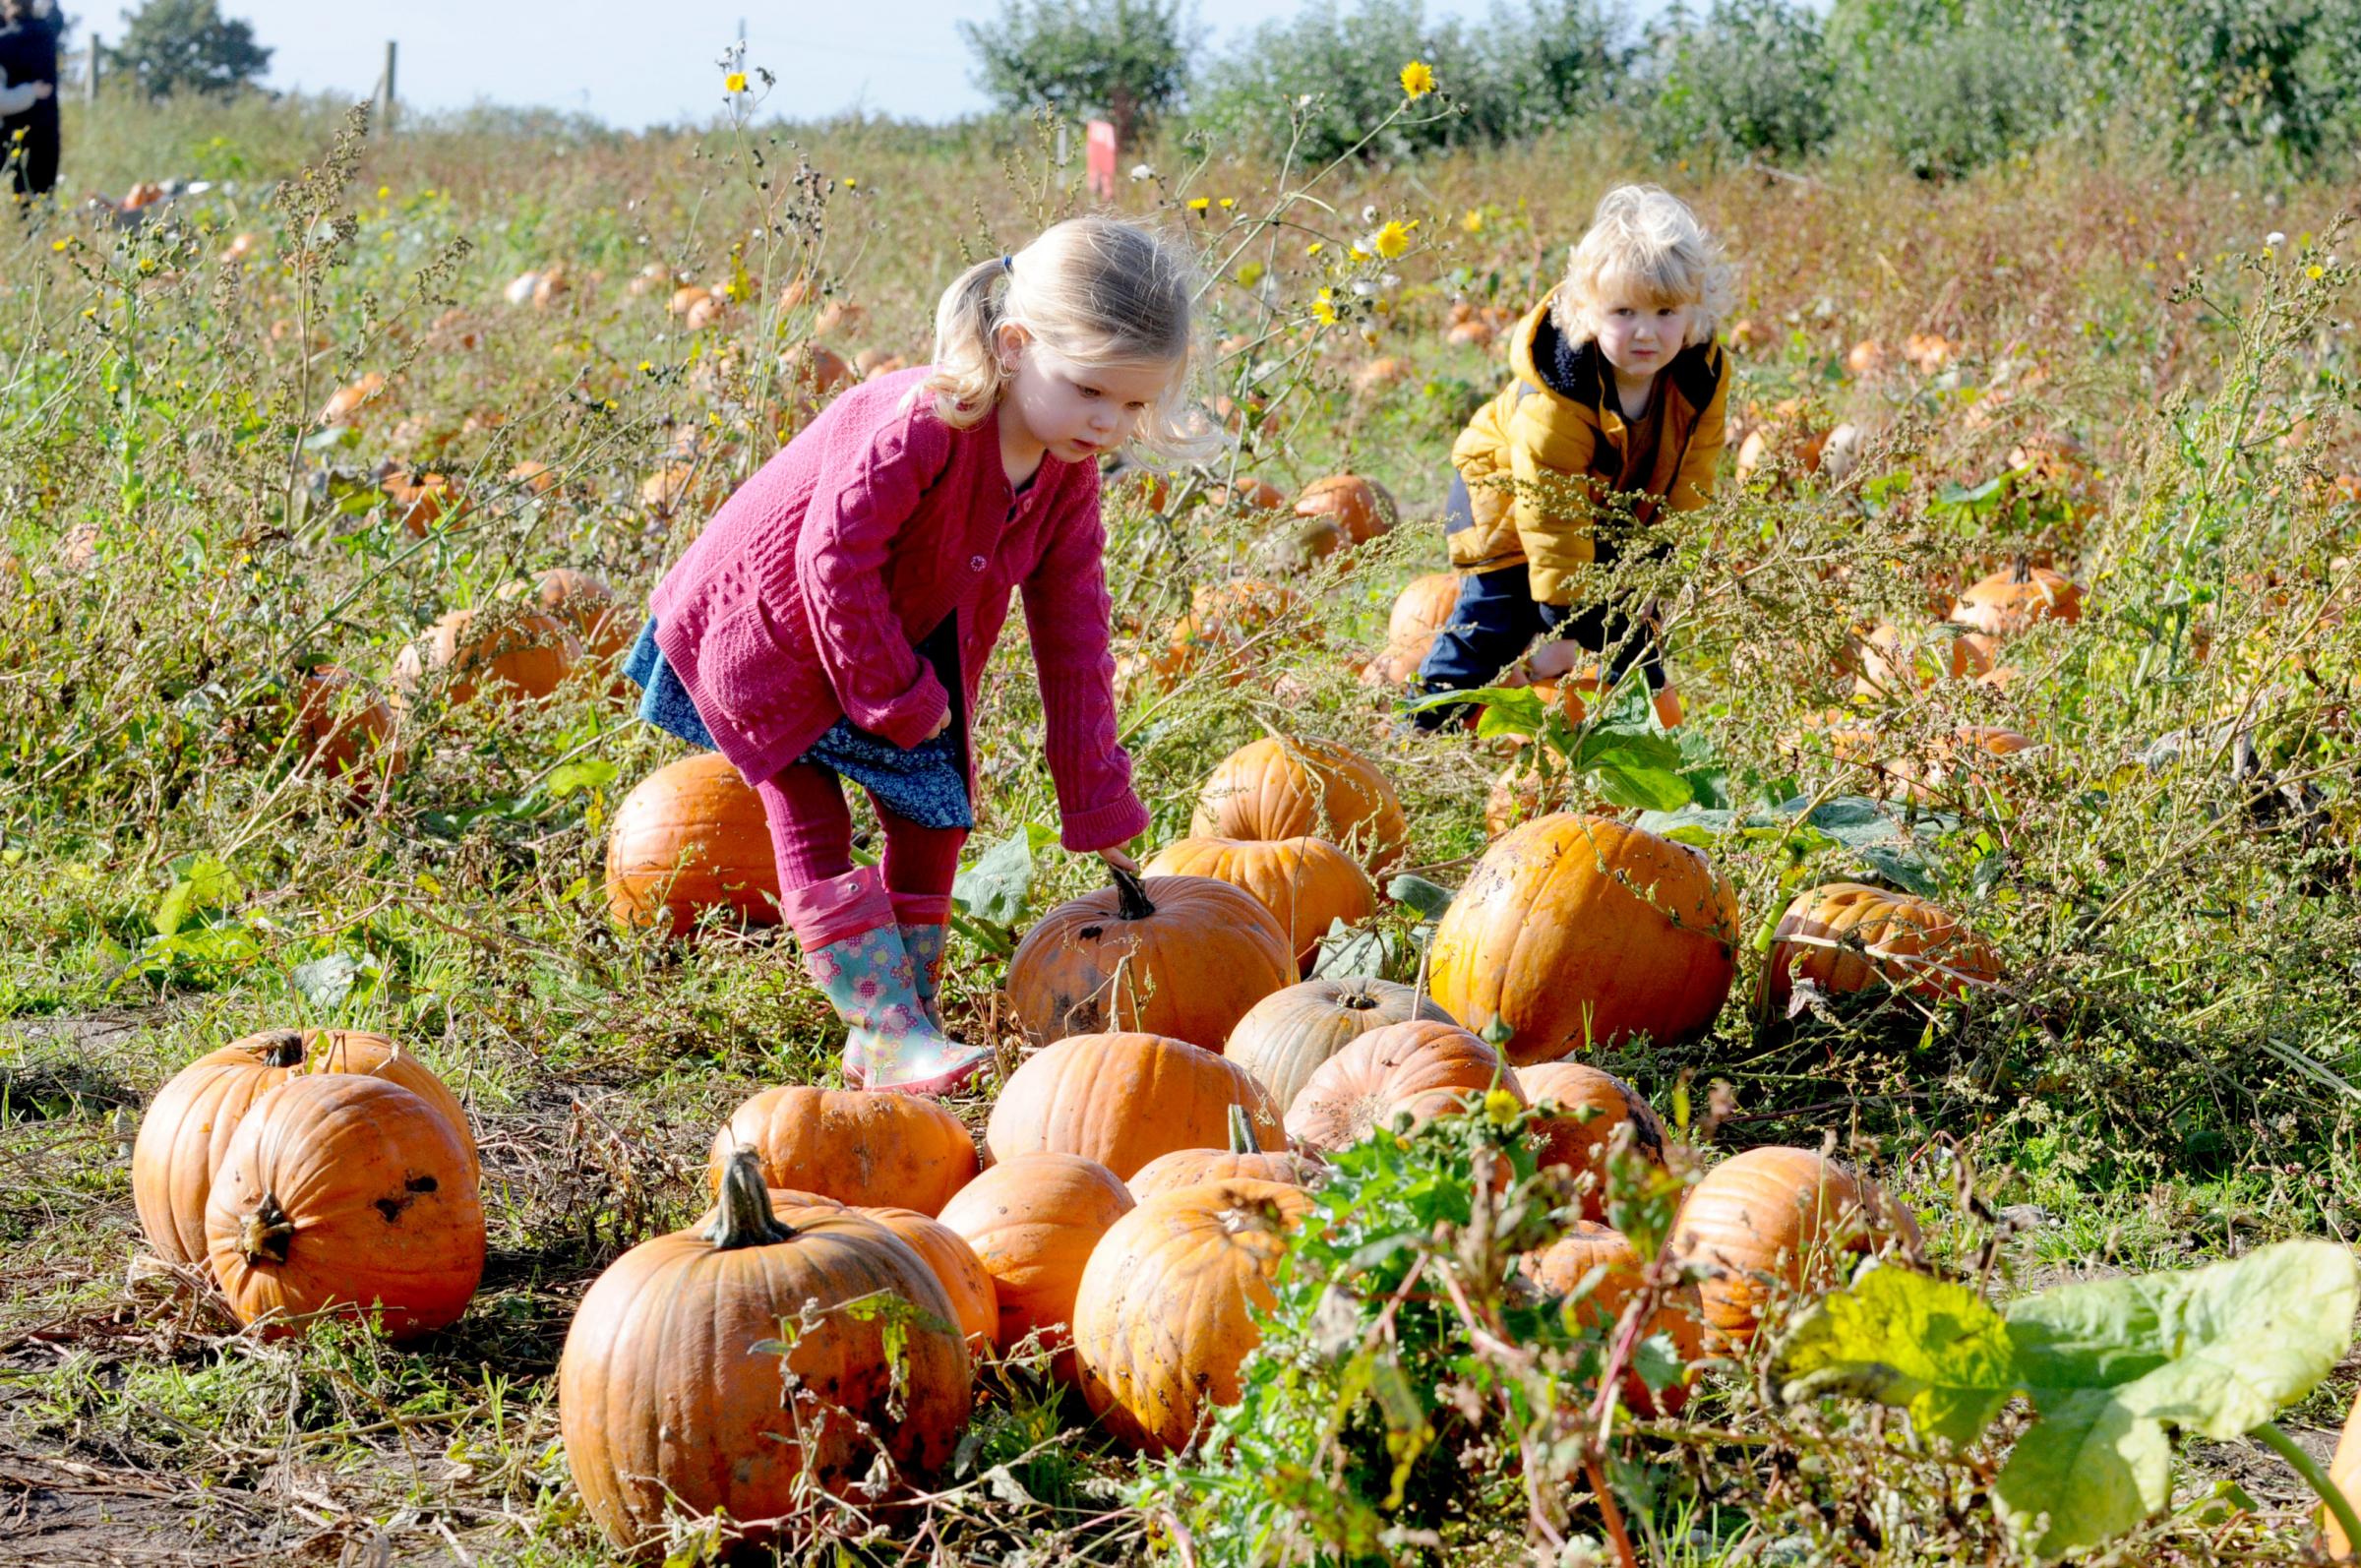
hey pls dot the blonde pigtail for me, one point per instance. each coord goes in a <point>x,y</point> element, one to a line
<point>967,366</point>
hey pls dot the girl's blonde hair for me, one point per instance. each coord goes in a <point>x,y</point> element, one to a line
<point>1644,243</point>
<point>1096,291</point>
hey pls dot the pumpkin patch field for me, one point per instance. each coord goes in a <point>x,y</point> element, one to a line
<point>1893,1105</point>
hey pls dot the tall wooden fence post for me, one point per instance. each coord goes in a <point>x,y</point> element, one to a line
<point>90,70</point>
<point>385,89</point>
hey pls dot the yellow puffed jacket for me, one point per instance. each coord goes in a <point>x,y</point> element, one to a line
<point>1567,424</point>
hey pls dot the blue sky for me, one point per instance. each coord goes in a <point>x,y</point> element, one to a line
<point>635,64</point>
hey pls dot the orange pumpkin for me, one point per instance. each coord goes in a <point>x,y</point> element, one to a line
<point>584,604</point>
<point>187,1127</point>
<point>1773,1222</point>
<point>1423,608</point>
<point>1184,956</point>
<point>975,1306</point>
<point>858,1146</point>
<point>674,1396</point>
<point>2006,602</point>
<point>1560,1270</point>
<point>1122,1100</point>
<point>347,401</point>
<point>1275,788</point>
<point>1030,1221</point>
<point>1307,884</point>
<point>1847,938</point>
<point>1245,1157</point>
<point>339,1191</point>
<point>513,652</point>
<point>691,837</point>
<point>1361,509</point>
<point>1583,1106</point>
<point>813,371</point>
<point>1287,1033</point>
<point>1520,793</point>
<point>346,726</point>
<point>1163,1313</point>
<point>1420,1068</point>
<point>1889,663</point>
<point>2345,1469</point>
<point>1580,929</point>
<point>420,500</point>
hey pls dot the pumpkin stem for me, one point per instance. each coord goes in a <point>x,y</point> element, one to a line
<point>283,1048</point>
<point>264,1233</point>
<point>743,1218</point>
<point>1241,1132</point>
<point>1131,896</point>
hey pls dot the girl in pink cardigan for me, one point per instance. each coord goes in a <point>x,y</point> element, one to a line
<point>835,617</point>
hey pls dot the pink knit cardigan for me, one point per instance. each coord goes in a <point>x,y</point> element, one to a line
<point>803,598</point>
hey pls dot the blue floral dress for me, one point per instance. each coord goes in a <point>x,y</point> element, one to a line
<point>925,784</point>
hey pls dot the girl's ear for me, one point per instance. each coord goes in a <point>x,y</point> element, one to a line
<point>1008,340</point>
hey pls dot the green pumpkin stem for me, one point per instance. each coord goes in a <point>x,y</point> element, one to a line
<point>1241,1132</point>
<point>744,1216</point>
<point>266,1231</point>
<point>1131,896</point>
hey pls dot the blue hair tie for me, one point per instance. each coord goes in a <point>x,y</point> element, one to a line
<point>1007,264</point>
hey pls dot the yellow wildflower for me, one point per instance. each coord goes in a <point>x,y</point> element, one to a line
<point>1500,1108</point>
<point>1229,201</point>
<point>1316,247</point>
<point>1392,240</point>
<point>1417,79</point>
<point>1473,223</point>
<point>735,81</point>
<point>1198,204</point>
<point>1358,254</point>
<point>850,183</point>
<point>1323,307</point>
<point>2314,273</point>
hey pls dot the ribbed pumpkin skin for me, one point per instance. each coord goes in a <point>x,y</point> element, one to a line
<point>347,729</point>
<point>1360,508</point>
<point>1296,789</point>
<point>586,605</point>
<point>1425,1068</point>
<point>2008,602</point>
<point>975,1305</point>
<point>1304,882</point>
<point>1287,1033</point>
<point>1566,1262</point>
<point>1847,938</point>
<point>1161,1320</point>
<point>858,1146</point>
<point>518,653</point>
<point>1186,963</point>
<point>1245,1157</point>
<point>1423,608</point>
<point>380,1196</point>
<point>1032,1221</point>
<point>2346,1471</point>
<point>664,1402</point>
<point>1579,1145</point>
<point>187,1125</point>
<point>1774,1212</point>
<point>1123,1099</point>
<point>689,836</point>
<point>1580,929</point>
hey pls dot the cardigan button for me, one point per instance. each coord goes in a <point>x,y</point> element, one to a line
<point>975,562</point>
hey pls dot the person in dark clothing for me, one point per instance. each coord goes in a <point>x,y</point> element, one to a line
<point>29,134</point>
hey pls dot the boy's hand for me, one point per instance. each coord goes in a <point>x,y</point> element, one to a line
<point>1667,708</point>
<point>1121,860</point>
<point>41,89</point>
<point>1554,659</point>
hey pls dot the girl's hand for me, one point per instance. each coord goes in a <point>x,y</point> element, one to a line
<point>940,725</point>
<point>1119,861</point>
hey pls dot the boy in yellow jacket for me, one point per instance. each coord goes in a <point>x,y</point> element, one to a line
<point>1618,390</point>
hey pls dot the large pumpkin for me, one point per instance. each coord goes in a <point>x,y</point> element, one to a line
<point>340,1191</point>
<point>347,729</point>
<point>1582,1106</point>
<point>858,1146</point>
<point>1307,884</point>
<point>1578,930</point>
<point>1122,1100</point>
<point>1184,956</point>
<point>1847,938</point>
<point>2008,602</point>
<point>1162,1318</point>
<point>1030,1221</point>
<point>584,604</point>
<point>1357,508</point>
<point>674,1396</point>
<point>516,652</point>
<point>975,1305</point>
<point>187,1125</point>
<point>1776,1220</point>
<point>1285,1037</point>
<point>2345,1469</point>
<point>1275,788</point>
<point>691,837</point>
<point>1243,1157</point>
<point>1561,1268</point>
<point>1423,608</point>
<point>1420,1068</point>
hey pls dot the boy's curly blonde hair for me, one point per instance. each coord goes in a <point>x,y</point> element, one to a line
<point>1645,244</point>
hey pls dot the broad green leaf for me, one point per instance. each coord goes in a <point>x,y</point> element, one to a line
<point>1419,894</point>
<point>325,983</point>
<point>1516,711</point>
<point>590,774</point>
<point>1934,1349</point>
<point>1349,954</point>
<point>995,888</point>
<point>2096,1467</point>
<point>1690,824</point>
<point>1648,787</point>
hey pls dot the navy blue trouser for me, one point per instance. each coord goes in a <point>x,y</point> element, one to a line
<point>1496,619</point>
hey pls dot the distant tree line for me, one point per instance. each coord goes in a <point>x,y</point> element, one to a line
<point>1943,86</point>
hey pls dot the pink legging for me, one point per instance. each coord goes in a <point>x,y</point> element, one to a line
<point>812,839</point>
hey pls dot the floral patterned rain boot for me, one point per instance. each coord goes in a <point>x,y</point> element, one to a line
<point>891,1043</point>
<point>925,943</point>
